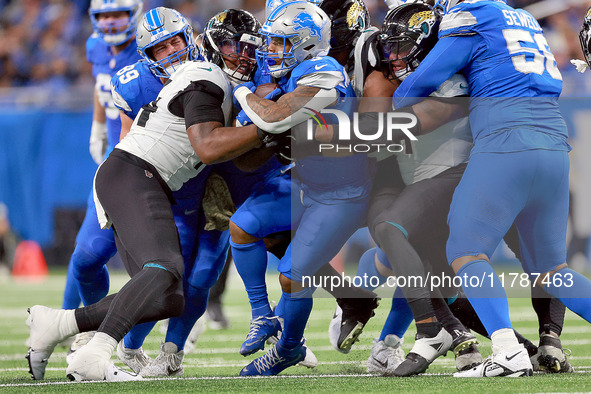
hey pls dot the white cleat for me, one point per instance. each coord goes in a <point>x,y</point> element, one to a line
<point>423,353</point>
<point>385,356</point>
<point>136,359</point>
<point>198,329</point>
<point>334,328</point>
<point>79,341</point>
<point>89,364</point>
<point>45,333</point>
<point>513,362</point>
<point>168,363</point>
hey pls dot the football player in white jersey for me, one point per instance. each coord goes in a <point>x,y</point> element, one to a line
<point>170,141</point>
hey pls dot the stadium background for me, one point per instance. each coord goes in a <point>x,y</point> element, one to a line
<point>46,111</point>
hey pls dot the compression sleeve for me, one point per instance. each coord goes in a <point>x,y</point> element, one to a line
<point>435,69</point>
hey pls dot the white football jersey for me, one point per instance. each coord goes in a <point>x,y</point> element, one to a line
<point>441,149</point>
<point>160,137</point>
<point>364,56</point>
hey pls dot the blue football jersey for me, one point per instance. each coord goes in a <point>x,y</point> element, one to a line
<point>104,66</point>
<point>328,178</point>
<point>512,75</point>
<point>133,87</point>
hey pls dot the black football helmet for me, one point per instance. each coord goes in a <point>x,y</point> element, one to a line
<point>349,19</point>
<point>230,40</point>
<point>408,34</point>
<point>585,37</point>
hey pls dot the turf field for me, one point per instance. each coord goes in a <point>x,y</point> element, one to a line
<point>215,364</point>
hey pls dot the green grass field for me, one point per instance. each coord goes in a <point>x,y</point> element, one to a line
<point>215,364</point>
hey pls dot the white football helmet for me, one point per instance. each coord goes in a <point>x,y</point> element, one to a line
<point>300,24</point>
<point>115,33</point>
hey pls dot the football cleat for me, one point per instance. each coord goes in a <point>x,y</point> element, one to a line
<point>423,353</point>
<point>79,341</point>
<point>385,356</point>
<point>112,374</point>
<point>168,363</point>
<point>275,360</point>
<point>94,363</point>
<point>46,327</point>
<point>551,357</point>
<point>198,329</point>
<point>135,359</point>
<point>261,329</point>
<point>350,317</point>
<point>510,363</point>
<point>310,361</point>
<point>465,349</point>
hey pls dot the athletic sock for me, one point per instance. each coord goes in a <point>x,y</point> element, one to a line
<point>297,310</point>
<point>399,318</point>
<point>573,289</point>
<point>251,263</point>
<point>180,327</point>
<point>488,298</point>
<point>444,315</point>
<point>429,330</point>
<point>71,294</point>
<point>367,269</point>
<point>136,336</point>
<point>503,338</point>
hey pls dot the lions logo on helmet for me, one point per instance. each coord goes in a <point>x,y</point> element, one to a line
<point>294,32</point>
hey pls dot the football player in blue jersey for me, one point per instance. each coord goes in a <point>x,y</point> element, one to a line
<point>111,47</point>
<point>329,196</point>
<point>518,168</point>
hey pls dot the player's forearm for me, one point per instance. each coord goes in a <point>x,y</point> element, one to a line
<point>290,110</point>
<point>216,144</point>
<point>449,56</point>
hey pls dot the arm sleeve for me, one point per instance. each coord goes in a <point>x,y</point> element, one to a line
<point>200,102</point>
<point>438,67</point>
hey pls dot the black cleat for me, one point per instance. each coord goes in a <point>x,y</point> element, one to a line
<point>551,358</point>
<point>351,316</point>
<point>465,349</point>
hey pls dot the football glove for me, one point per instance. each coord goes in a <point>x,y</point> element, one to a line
<point>98,141</point>
<point>249,85</point>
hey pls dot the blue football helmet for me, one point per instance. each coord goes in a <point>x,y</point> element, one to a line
<point>301,28</point>
<point>160,24</point>
<point>115,33</point>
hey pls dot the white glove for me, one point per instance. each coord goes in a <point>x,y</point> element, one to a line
<point>581,65</point>
<point>98,141</point>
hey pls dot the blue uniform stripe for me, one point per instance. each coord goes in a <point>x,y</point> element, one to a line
<point>399,227</point>
<point>154,265</point>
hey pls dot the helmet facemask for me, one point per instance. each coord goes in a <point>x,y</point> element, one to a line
<point>117,31</point>
<point>236,55</point>
<point>408,34</point>
<point>276,57</point>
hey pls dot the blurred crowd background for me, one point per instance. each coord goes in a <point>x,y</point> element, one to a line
<point>43,41</point>
<point>46,103</point>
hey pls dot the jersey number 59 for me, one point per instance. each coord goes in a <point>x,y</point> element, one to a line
<point>543,58</point>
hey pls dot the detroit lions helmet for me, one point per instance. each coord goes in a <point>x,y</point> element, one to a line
<point>232,36</point>
<point>160,24</point>
<point>585,37</point>
<point>295,32</point>
<point>408,34</point>
<point>349,19</point>
<point>117,32</point>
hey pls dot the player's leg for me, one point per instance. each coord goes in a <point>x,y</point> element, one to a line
<point>542,230</point>
<point>71,295</point>
<point>94,248</point>
<point>146,231</point>
<point>266,211</point>
<point>492,192</point>
<point>322,231</point>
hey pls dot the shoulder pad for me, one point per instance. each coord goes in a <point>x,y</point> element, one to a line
<point>96,50</point>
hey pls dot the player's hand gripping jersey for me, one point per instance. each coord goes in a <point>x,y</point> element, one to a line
<point>481,32</point>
